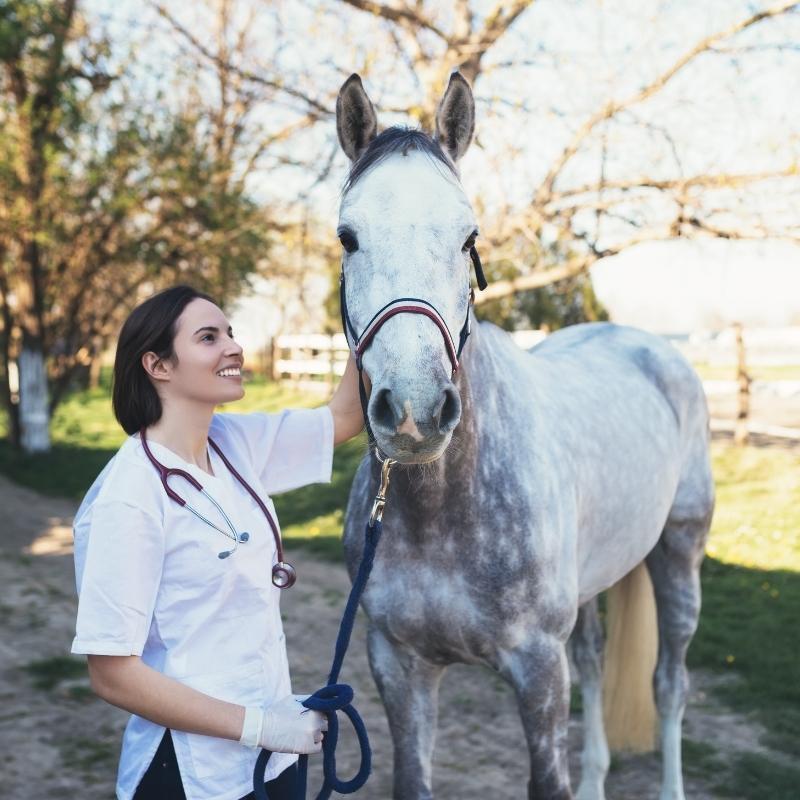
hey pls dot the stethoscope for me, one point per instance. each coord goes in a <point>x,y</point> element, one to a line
<point>283,573</point>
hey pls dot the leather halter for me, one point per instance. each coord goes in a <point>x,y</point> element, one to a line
<point>404,305</point>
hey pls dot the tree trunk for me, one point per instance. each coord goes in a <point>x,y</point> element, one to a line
<point>12,409</point>
<point>5,353</point>
<point>740,432</point>
<point>34,417</point>
<point>95,366</point>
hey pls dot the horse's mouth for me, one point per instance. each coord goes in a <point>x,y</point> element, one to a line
<point>407,450</point>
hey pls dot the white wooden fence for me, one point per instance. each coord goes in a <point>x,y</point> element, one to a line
<point>315,360</point>
<point>309,360</point>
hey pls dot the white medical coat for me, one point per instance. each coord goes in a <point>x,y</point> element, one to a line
<point>150,583</point>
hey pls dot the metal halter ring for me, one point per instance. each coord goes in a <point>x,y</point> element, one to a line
<point>376,515</point>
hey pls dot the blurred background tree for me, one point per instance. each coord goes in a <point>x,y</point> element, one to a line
<point>166,141</point>
<point>104,199</point>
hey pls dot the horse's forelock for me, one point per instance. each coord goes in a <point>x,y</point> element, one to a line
<point>397,139</point>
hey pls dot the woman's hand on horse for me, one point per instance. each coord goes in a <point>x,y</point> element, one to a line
<point>288,727</point>
<point>345,405</point>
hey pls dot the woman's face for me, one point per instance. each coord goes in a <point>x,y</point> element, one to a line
<point>209,362</point>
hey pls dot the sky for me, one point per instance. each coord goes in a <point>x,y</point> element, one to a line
<point>684,286</point>
<point>734,112</point>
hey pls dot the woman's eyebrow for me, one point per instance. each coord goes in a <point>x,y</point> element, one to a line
<point>211,328</point>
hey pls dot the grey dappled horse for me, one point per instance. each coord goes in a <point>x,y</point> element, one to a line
<point>530,481</point>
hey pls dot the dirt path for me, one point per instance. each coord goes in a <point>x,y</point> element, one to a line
<point>66,740</point>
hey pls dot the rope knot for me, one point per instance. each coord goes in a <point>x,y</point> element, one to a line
<point>330,698</point>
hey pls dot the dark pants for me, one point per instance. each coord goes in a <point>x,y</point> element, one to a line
<point>162,781</point>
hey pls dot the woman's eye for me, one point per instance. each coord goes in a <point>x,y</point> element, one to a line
<point>208,336</point>
<point>470,243</point>
<point>349,241</point>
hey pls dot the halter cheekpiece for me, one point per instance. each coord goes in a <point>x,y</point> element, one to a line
<point>405,305</point>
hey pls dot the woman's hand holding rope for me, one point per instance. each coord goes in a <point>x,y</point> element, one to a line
<point>284,727</point>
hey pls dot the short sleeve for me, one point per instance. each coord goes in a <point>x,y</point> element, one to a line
<point>118,580</point>
<point>287,450</point>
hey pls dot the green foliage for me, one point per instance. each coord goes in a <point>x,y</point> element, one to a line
<point>120,195</point>
<point>555,306</point>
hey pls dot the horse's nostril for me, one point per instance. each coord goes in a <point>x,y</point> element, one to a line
<point>383,412</point>
<point>450,410</point>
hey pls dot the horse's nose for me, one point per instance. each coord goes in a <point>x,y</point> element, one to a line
<point>385,413</point>
<point>390,417</point>
<point>449,411</point>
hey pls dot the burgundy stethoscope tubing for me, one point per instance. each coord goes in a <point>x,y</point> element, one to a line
<point>283,574</point>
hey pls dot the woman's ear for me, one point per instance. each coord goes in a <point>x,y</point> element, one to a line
<point>156,367</point>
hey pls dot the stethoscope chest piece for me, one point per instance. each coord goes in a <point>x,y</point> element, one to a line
<point>283,575</point>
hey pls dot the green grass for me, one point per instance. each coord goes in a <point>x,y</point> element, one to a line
<point>85,436</point>
<point>751,587</point>
<point>743,775</point>
<point>748,628</point>
<point>47,673</point>
<point>754,777</point>
<point>757,516</point>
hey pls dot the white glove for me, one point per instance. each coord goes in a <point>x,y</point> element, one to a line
<point>286,726</point>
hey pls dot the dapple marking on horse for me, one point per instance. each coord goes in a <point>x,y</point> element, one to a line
<point>528,482</point>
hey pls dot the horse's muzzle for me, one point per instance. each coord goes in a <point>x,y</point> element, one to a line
<point>414,430</point>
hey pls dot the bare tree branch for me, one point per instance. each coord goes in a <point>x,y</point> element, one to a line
<point>278,85</point>
<point>399,15</point>
<point>545,190</point>
<point>707,181</point>
<point>536,280</point>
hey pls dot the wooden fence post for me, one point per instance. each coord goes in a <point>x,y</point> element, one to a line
<point>740,432</point>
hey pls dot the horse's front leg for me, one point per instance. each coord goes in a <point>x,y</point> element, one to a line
<point>540,676</point>
<point>409,687</point>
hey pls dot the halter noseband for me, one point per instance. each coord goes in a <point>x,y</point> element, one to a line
<point>404,305</point>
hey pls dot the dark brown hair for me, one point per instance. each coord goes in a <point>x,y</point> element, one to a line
<point>150,326</point>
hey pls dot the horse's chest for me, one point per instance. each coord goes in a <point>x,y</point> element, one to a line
<point>450,615</point>
<point>434,614</point>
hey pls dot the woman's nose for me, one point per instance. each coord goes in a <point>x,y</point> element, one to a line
<point>234,348</point>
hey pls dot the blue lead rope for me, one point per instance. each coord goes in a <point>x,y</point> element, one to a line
<point>335,697</point>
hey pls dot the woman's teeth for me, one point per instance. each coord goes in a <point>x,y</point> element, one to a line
<point>229,373</point>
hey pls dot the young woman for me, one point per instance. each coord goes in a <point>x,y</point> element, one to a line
<point>178,608</point>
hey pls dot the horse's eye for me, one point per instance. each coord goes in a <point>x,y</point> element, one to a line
<point>470,243</point>
<point>349,241</point>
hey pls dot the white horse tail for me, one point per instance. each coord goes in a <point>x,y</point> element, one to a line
<point>630,657</point>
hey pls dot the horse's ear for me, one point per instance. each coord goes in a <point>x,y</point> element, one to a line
<point>356,122</point>
<point>455,118</point>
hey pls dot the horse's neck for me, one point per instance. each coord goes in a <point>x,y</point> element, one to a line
<point>451,478</point>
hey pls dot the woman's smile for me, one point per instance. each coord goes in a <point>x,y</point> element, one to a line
<point>231,372</point>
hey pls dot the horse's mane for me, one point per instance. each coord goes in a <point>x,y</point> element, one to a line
<point>397,139</point>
